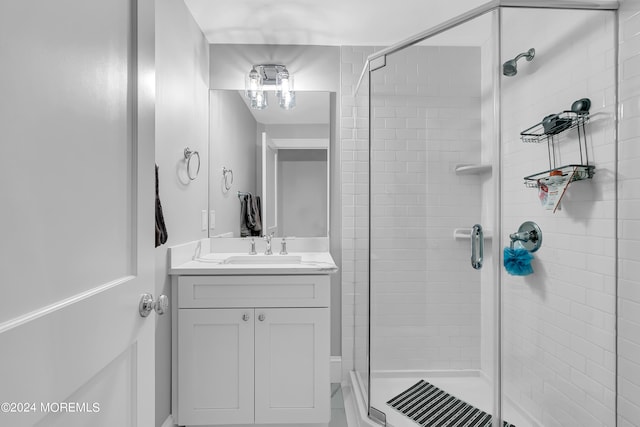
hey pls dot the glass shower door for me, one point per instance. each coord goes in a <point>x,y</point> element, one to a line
<point>433,145</point>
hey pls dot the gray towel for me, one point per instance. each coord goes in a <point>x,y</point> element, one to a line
<point>161,228</point>
<point>250,218</point>
<point>244,229</point>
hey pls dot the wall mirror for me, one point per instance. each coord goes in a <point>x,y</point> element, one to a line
<point>281,156</point>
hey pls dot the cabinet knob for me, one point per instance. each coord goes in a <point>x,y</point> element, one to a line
<point>245,317</point>
<point>261,317</point>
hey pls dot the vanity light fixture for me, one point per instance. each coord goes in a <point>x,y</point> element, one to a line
<point>275,75</point>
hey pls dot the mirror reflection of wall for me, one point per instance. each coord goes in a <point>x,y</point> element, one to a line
<point>302,186</point>
<point>282,156</point>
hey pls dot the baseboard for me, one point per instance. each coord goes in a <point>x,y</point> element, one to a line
<point>336,369</point>
<point>169,422</point>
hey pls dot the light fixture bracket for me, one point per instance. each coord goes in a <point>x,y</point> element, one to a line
<point>269,72</point>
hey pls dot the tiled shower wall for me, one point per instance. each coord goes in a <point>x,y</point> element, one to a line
<point>559,323</point>
<point>629,217</point>
<point>425,298</point>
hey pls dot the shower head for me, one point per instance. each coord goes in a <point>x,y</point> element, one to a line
<point>510,68</point>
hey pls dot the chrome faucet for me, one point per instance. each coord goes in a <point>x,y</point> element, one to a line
<point>253,247</point>
<point>268,251</point>
<point>283,250</point>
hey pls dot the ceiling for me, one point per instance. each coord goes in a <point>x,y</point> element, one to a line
<point>325,23</point>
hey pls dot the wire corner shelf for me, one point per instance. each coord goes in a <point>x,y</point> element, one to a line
<point>549,131</point>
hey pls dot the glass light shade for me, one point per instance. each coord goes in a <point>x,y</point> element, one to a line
<point>260,101</point>
<point>288,100</point>
<point>284,82</point>
<point>253,84</point>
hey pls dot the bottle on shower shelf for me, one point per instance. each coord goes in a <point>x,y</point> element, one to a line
<point>550,189</point>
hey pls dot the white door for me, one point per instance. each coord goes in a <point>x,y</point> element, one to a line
<point>76,215</point>
<point>215,366</point>
<point>269,186</point>
<point>292,365</point>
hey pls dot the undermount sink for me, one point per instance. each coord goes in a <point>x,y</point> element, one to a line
<point>263,259</point>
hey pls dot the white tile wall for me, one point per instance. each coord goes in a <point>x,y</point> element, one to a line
<point>629,217</point>
<point>426,120</point>
<point>559,323</point>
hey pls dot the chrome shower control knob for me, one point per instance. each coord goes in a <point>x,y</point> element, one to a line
<point>261,317</point>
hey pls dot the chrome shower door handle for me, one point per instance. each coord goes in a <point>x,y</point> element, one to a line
<point>477,246</point>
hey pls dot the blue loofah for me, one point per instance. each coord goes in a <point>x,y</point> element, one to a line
<point>517,262</point>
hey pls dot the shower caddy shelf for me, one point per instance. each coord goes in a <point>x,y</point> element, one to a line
<point>564,121</point>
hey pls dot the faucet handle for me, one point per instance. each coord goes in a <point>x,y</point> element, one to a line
<point>253,247</point>
<point>283,250</point>
<point>268,248</point>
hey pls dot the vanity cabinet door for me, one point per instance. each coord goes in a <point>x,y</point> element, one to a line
<point>215,365</point>
<point>292,365</point>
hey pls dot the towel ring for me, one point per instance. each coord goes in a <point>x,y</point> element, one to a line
<point>188,154</point>
<point>227,175</point>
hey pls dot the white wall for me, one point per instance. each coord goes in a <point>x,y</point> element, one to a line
<point>559,323</point>
<point>234,145</point>
<point>629,217</point>
<point>298,131</point>
<point>302,189</point>
<point>182,83</point>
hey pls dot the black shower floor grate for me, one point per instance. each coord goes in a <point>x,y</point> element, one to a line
<point>431,406</point>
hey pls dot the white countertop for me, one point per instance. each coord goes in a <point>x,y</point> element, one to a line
<point>196,258</point>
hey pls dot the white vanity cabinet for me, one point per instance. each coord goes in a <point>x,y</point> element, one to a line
<point>251,350</point>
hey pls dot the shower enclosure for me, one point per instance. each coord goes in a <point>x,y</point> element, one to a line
<point>447,162</point>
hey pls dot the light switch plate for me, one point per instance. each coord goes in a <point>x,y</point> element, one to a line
<point>203,218</point>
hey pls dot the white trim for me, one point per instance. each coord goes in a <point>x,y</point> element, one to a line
<point>300,143</point>
<point>458,373</point>
<point>169,422</point>
<point>328,189</point>
<point>336,369</point>
<point>263,190</point>
<point>26,318</point>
